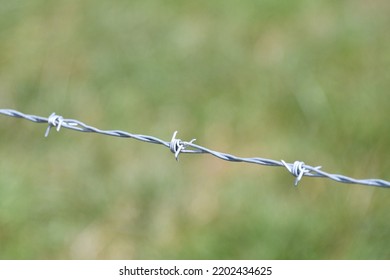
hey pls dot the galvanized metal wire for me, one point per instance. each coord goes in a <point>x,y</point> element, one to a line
<point>177,146</point>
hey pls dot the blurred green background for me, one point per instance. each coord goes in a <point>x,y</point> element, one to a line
<point>292,80</point>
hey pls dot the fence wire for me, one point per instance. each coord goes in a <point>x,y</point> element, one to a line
<point>177,146</point>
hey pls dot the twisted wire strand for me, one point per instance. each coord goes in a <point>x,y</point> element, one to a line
<point>298,169</point>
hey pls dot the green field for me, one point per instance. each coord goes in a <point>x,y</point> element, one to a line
<point>291,80</point>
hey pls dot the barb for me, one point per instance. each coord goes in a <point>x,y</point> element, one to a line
<point>298,170</point>
<point>56,121</point>
<point>177,146</point>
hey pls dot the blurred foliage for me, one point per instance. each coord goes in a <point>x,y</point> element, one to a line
<point>292,80</point>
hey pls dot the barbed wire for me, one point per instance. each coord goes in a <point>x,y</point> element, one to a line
<point>177,146</point>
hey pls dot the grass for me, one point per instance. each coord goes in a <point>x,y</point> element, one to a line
<point>295,81</point>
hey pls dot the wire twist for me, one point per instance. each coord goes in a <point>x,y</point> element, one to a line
<point>177,146</point>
